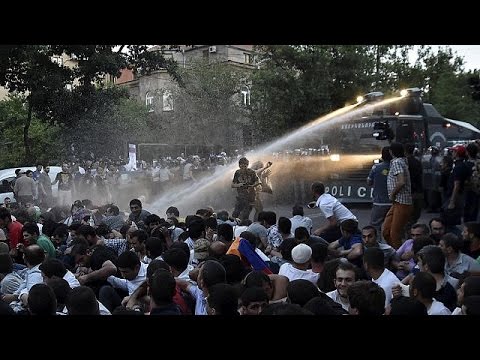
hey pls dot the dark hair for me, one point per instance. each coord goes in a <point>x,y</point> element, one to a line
<point>82,301</point>
<point>320,306</point>
<point>253,239</point>
<point>42,300</point>
<point>136,202</point>
<point>285,309</point>
<point>270,217</point>
<point>34,255</point>
<point>453,241</point>
<point>224,299</point>
<point>318,188</point>
<point>433,256</point>
<point>284,225</point>
<point>6,263</point>
<point>225,232</point>
<point>302,233</point>
<point>424,227</point>
<point>196,229</point>
<point>425,283</point>
<point>243,160</point>
<point>253,294</point>
<point>367,297</point>
<point>473,228</point>
<point>60,288</point>
<point>173,210</point>
<point>53,267</point>
<point>397,149</point>
<point>407,306</point>
<point>349,225</point>
<point>128,259</point>
<point>297,210</point>
<point>155,246</point>
<point>472,286</point>
<point>319,252</point>
<point>182,246</point>
<point>141,235</point>
<point>472,304</point>
<point>154,266</point>
<point>374,258</point>
<point>86,230</point>
<point>301,291</point>
<point>370,227</point>
<point>114,209</point>
<point>176,258</point>
<point>213,273</point>
<point>472,150</point>
<point>235,271</point>
<point>31,228</point>
<point>347,266</point>
<point>152,218</point>
<point>162,287</point>
<point>211,223</point>
<point>256,278</point>
<point>386,156</point>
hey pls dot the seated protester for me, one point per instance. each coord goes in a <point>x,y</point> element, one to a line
<point>320,305</point>
<point>253,300</point>
<point>174,229</point>
<point>95,265</point>
<point>299,268</point>
<point>404,260</point>
<point>370,239</point>
<point>90,234</point>
<point>34,256</point>
<point>162,290</point>
<point>217,249</point>
<point>471,238</point>
<point>136,243</point>
<point>151,222</point>
<point>82,301</point>
<point>284,309</point>
<point>419,243</point>
<point>300,220</point>
<point>245,247</point>
<point>234,268</point>
<point>61,289</point>
<point>211,227</point>
<point>432,260</point>
<point>457,263</point>
<point>350,245</point>
<point>211,272</point>
<point>374,264</point>
<point>112,218</point>
<point>225,234</point>
<point>42,300</point>
<point>302,236</point>
<point>59,239</point>
<point>222,300</point>
<point>31,235</point>
<point>134,274</point>
<point>345,276</point>
<point>55,268</point>
<point>285,227</point>
<point>301,291</point>
<point>224,218</point>
<point>274,285</point>
<point>274,237</point>
<point>437,229</point>
<point>407,306</point>
<point>366,298</point>
<point>9,280</point>
<point>423,289</point>
<point>138,215</point>
<point>177,260</point>
<point>470,286</point>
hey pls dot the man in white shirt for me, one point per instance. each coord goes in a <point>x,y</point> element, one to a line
<point>301,255</point>
<point>299,220</point>
<point>344,277</point>
<point>134,273</point>
<point>333,210</point>
<point>422,288</point>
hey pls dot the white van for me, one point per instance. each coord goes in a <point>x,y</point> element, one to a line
<point>9,175</point>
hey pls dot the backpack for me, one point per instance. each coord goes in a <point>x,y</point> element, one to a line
<point>474,181</point>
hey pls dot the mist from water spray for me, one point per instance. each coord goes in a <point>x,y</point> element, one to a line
<point>216,188</point>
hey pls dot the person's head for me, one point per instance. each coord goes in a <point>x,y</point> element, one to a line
<point>269,218</point>
<point>162,287</point>
<point>418,230</point>
<point>470,286</point>
<point>318,189</point>
<point>431,259</point>
<point>366,298</point>
<point>60,288</point>
<point>319,253</point>
<point>407,306</point>
<point>397,150</point>
<point>42,300</point>
<point>471,231</point>
<point>112,210</point>
<point>297,210</point>
<point>6,263</point>
<point>222,299</point>
<point>128,264</point>
<point>60,235</point>
<point>450,244</point>
<point>5,217</point>
<point>386,156</point>
<point>284,225</point>
<point>253,239</point>
<point>349,227</point>
<point>82,301</point>
<point>471,305</point>
<point>88,233</point>
<point>200,249</point>
<point>135,206</point>
<point>137,240</point>
<point>373,260</point>
<point>52,267</point>
<point>423,286</point>
<point>259,279</point>
<point>225,233</point>
<point>177,259</point>
<point>301,291</point>
<point>33,255</point>
<point>253,300</point>
<point>46,169</point>
<point>30,233</point>
<point>81,253</point>
<point>29,173</point>
<point>302,234</point>
<point>345,276</point>
<point>437,227</point>
<point>211,273</point>
<point>243,163</point>
<point>172,211</point>
<point>196,229</point>
<point>234,269</point>
<point>369,236</point>
<point>301,254</point>
<point>65,167</point>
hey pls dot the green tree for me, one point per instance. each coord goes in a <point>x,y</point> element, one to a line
<point>31,71</point>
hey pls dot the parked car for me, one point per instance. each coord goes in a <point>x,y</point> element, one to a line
<point>8,175</point>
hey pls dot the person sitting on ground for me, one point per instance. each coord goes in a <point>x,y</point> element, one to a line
<point>366,298</point>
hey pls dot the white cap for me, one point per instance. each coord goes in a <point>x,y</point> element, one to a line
<point>301,253</point>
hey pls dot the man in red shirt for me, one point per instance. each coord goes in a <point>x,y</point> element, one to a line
<point>13,228</point>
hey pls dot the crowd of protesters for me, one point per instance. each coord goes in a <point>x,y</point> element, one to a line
<point>94,259</point>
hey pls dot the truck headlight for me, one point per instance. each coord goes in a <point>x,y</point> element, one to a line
<point>335,157</point>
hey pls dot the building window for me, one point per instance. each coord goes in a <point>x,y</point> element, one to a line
<point>149,101</point>
<point>58,60</point>
<point>249,58</point>
<point>167,100</point>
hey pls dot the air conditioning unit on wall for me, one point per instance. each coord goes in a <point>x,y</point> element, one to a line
<point>212,49</point>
